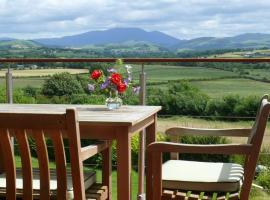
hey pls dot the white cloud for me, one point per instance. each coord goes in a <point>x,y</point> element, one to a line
<point>180,18</point>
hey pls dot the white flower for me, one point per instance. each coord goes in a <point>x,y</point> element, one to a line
<point>128,68</point>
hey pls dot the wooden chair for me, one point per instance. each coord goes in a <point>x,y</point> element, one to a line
<point>44,183</point>
<point>180,176</point>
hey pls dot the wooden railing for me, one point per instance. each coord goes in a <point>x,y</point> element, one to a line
<point>133,60</point>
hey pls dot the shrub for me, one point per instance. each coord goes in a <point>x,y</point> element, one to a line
<point>248,106</point>
<point>61,84</point>
<point>2,95</point>
<point>264,179</point>
<point>87,99</point>
<point>224,106</point>
<point>181,98</point>
<point>19,97</point>
<point>205,140</point>
<point>31,91</point>
<point>233,105</point>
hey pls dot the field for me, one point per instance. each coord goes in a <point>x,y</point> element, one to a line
<point>34,78</point>
<point>42,72</point>
<point>261,73</point>
<point>165,123</point>
<point>159,73</point>
<point>244,54</point>
<point>242,87</point>
<point>24,81</point>
<point>223,83</point>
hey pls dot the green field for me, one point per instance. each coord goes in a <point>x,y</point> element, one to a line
<point>23,82</point>
<point>242,87</point>
<point>260,73</point>
<point>41,72</point>
<point>261,53</point>
<point>218,87</point>
<point>158,73</point>
<point>165,123</point>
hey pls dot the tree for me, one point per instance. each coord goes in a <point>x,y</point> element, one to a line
<point>62,84</point>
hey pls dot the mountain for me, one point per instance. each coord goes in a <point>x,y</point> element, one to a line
<point>135,39</point>
<point>5,39</point>
<point>111,36</point>
<point>247,40</point>
<point>18,44</point>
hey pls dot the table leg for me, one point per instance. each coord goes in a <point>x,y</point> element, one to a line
<point>150,137</point>
<point>123,165</point>
<point>107,170</point>
<point>141,166</point>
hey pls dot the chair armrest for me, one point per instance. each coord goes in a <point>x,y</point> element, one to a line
<point>93,149</point>
<point>236,132</point>
<point>226,149</point>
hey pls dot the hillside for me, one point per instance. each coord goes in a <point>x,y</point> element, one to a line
<point>138,40</point>
<point>244,41</point>
<point>114,36</point>
<point>17,44</point>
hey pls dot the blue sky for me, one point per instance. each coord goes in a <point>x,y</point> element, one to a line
<point>179,18</point>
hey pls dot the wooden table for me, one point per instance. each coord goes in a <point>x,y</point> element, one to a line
<point>96,122</point>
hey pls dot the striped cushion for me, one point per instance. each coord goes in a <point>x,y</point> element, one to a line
<point>202,176</point>
<point>89,180</point>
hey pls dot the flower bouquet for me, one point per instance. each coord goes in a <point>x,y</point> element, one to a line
<point>114,82</point>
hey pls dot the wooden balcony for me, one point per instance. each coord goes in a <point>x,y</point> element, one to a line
<point>123,190</point>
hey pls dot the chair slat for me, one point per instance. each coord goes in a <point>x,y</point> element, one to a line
<point>234,196</point>
<point>193,197</point>
<point>60,160</point>
<point>43,161</point>
<point>9,164</point>
<point>26,163</point>
<point>180,196</point>
<point>73,131</point>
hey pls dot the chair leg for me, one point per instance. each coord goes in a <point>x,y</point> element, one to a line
<point>107,170</point>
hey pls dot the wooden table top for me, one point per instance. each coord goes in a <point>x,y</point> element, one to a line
<point>126,115</point>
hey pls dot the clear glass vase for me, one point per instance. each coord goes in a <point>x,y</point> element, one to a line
<point>114,101</point>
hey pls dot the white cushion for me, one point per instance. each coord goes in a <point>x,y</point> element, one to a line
<point>202,176</point>
<point>89,180</point>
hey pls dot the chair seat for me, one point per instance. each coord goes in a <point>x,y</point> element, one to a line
<point>202,176</point>
<point>89,180</point>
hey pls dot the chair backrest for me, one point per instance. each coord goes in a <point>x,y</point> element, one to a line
<point>259,126</point>
<point>36,126</point>
<point>255,138</point>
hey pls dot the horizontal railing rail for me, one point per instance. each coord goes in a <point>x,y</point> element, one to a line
<point>133,60</point>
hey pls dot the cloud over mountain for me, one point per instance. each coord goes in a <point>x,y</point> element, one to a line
<point>178,18</point>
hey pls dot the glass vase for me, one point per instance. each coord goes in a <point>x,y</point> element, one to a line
<point>114,101</point>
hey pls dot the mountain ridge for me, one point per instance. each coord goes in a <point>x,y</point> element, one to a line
<point>115,35</point>
<point>137,36</point>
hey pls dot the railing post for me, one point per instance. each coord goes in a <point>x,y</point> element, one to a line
<point>9,86</point>
<point>9,93</point>
<point>141,159</point>
<point>142,86</point>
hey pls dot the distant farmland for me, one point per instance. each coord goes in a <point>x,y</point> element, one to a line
<point>214,82</point>
<point>42,72</point>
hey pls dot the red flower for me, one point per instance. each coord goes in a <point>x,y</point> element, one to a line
<point>96,74</point>
<point>116,78</point>
<point>121,87</point>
